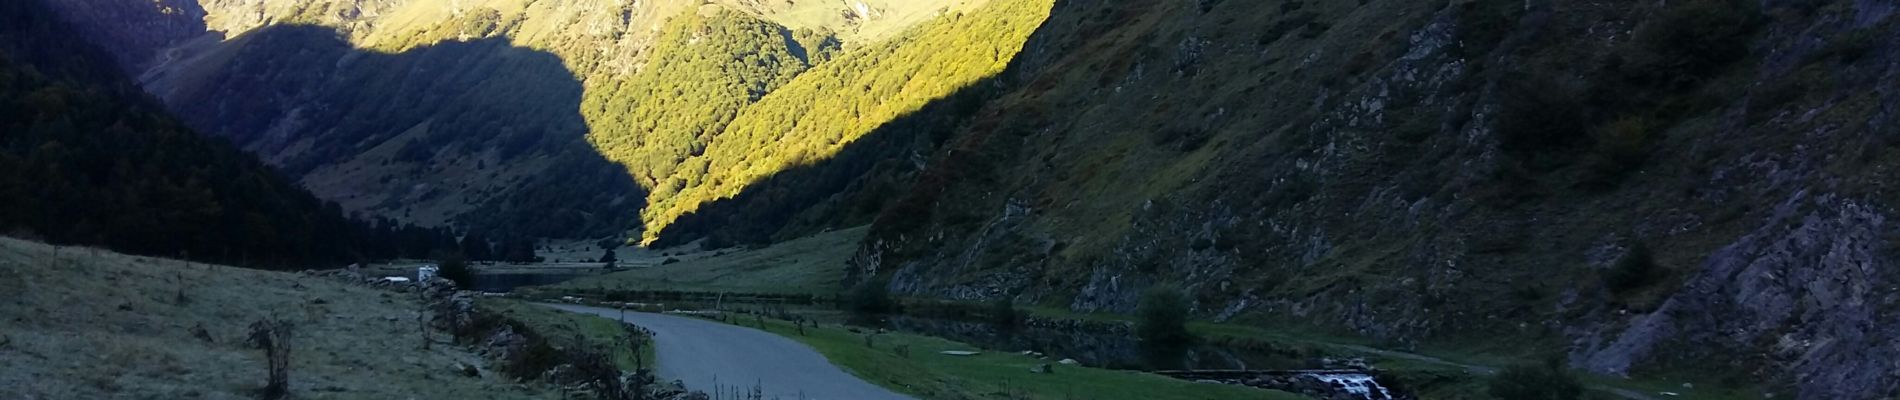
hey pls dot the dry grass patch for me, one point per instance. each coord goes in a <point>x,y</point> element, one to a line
<point>79,323</point>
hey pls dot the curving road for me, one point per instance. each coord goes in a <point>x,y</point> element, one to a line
<point>706,354</point>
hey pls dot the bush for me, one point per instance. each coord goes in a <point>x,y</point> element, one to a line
<point>1003,314</point>
<point>1162,317</point>
<point>1622,147</point>
<point>870,297</point>
<point>1541,118</point>
<point>1547,381</point>
<point>1631,271</point>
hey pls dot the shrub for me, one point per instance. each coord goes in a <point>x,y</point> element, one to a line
<point>1691,38</point>
<point>1631,271</point>
<point>1484,24</point>
<point>1540,111</point>
<point>1162,317</point>
<point>1546,381</point>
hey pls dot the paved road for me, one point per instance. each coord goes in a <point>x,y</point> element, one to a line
<point>708,354</point>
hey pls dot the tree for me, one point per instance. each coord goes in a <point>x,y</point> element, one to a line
<point>1162,317</point>
<point>1546,381</point>
<point>454,267</point>
<point>870,298</point>
<point>1632,270</point>
<point>1003,314</point>
<point>607,257</point>
<point>477,247</point>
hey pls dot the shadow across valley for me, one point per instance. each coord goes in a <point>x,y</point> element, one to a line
<point>481,127</point>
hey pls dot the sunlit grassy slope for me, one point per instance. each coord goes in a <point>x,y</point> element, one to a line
<point>827,108</point>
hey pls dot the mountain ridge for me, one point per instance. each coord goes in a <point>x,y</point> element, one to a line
<point>619,53</point>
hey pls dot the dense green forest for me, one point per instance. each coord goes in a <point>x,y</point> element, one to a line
<point>91,160</point>
<point>703,70</point>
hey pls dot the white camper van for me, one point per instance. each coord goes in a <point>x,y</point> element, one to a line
<point>425,274</point>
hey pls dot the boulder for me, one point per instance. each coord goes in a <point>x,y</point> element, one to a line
<point>466,369</point>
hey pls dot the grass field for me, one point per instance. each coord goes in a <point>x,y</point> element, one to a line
<point>811,265</point>
<point>815,265</point>
<point>1455,371</point>
<point>927,374</point>
<point>83,323</point>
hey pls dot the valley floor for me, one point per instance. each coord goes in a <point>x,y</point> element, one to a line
<point>814,266</point>
<point>81,323</point>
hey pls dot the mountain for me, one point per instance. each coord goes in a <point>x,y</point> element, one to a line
<point>399,108</point>
<point>1656,187</point>
<point>92,160</point>
<point>1693,186</point>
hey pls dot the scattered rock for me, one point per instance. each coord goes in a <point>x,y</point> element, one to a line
<point>1043,369</point>
<point>1068,361</point>
<point>468,370</point>
<point>959,353</point>
<point>198,331</point>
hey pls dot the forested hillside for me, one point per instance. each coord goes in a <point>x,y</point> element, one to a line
<point>90,159</point>
<point>1696,187</point>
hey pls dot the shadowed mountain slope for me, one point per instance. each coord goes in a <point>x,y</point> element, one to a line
<point>90,159</point>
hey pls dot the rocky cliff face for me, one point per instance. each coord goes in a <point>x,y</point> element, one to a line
<point>1432,172</point>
